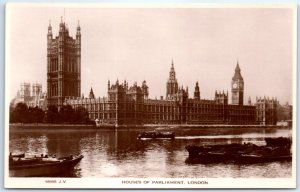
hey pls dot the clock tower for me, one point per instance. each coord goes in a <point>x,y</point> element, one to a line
<point>237,87</point>
<point>172,85</point>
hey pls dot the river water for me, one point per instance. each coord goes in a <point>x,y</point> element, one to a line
<point>110,153</point>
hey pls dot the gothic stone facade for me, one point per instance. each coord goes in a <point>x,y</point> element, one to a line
<point>126,105</point>
<point>31,97</point>
<point>266,111</point>
<point>63,65</point>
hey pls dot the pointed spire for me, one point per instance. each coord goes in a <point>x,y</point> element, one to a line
<point>172,72</point>
<point>237,73</point>
<point>50,29</point>
<point>78,26</point>
<point>237,68</point>
<point>78,34</point>
<point>92,96</point>
<point>172,66</point>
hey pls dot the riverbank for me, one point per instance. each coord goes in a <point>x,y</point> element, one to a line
<point>146,126</point>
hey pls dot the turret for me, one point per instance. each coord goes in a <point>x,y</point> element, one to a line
<point>249,101</point>
<point>49,42</point>
<point>78,34</point>
<point>187,91</point>
<point>145,90</point>
<point>221,98</point>
<point>91,95</point>
<point>61,26</point>
<point>197,92</point>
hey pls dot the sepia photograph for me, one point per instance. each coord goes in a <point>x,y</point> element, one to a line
<point>150,96</point>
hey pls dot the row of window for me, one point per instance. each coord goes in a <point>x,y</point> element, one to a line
<point>177,118</point>
<point>69,65</point>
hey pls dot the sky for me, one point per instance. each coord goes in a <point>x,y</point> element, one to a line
<point>136,44</point>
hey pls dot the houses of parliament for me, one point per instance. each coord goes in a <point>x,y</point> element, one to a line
<point>130,105</point>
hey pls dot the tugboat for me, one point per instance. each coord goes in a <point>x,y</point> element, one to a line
<point>156,135</point>
<point>246,153</point>
<point>21,166</point>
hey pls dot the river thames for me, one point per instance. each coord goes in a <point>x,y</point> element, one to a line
<point>111,153</point>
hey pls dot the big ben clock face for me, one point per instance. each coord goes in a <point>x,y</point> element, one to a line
<point>234,85</point>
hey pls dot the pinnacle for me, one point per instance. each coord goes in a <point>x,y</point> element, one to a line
<point>237,68</point>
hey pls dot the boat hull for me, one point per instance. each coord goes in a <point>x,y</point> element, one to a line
<point>156,135</point>
<point>253,159</point>
<point>45,169</point>
<point>237,153</point>
<point>280,141</point>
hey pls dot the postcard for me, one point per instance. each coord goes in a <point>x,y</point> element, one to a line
<point>150,96</point>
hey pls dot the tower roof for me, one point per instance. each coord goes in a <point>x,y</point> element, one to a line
<point>237,73</point>
<point>197,87</point>
<point>237,68</point>
<point>172,74</point>
<point>91,95</point>
<point>78,26</point>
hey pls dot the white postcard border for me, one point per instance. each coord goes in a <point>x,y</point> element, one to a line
<point>11,182</point>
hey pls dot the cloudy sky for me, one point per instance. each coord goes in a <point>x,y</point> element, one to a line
<point>140,43</point>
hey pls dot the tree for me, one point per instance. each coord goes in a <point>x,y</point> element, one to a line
<point>81,115</point>
<point>12,118</point>
<point>37,115</point>
<point>52,115</point>
<point>20,113</point>
<point>67,114</point>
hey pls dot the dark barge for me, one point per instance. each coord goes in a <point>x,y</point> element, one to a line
<point>246,153</point>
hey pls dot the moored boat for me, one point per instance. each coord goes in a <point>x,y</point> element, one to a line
<point>156,135</point>
<point>41,166</point>
<point>246,153</point>
<point>278,141</point>
<point>18,155</point>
